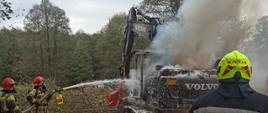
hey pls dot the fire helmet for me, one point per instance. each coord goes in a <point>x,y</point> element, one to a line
<point>232,64</point>
<point>8,84</point>
<point>38,80</point>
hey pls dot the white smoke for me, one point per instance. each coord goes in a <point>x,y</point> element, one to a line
<point>257,49</point>
<point>205,30</point>
<point>133,84</point>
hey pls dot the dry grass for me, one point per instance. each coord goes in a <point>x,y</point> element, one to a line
<point>75,101</point>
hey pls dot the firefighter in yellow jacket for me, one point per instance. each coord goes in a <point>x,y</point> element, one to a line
<point>36,94</point>
<point>8,101</point>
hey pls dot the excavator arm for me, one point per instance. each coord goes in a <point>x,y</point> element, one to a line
<point>135,27</point>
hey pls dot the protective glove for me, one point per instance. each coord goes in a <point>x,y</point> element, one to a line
<point>29,99</point>
<point>49,97</point>
<point>36,102</point>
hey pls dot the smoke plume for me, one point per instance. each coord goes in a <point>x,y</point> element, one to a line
<point>256,50</point>
<point>205,30</point>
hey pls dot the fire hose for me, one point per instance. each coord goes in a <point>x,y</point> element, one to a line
<point>59,98</point>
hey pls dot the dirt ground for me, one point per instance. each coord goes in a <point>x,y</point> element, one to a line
<point>85,100</point>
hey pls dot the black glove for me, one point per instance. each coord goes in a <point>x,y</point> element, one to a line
<point>44,87</point>
<point>49,97</point>
<point>30,99</point>
<point>37,102</point>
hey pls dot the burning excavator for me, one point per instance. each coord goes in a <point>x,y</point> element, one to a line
<point>160,88</point>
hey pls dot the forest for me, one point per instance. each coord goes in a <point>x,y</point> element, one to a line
<point>192,39</point>
<point>47,46</point>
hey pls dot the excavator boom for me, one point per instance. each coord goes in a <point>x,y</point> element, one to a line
<point>146,29</point>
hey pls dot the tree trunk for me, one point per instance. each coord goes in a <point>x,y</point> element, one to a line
<point>55,47</point>
<point>42,55</point>
<point>48,39</point>
<point>42,58</point>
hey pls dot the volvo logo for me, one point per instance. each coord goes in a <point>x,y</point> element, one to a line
<point>201,86</point>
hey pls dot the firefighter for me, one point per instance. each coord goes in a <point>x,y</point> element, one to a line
<point>37,93</point>
<point>116,98</point>
<point>234,94</point>
<point>8,102</point>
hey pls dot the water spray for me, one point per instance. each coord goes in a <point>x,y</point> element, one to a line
<point>59,96</point>
<point>94,83</point>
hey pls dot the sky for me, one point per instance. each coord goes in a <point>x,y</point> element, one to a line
<point>87,15</point>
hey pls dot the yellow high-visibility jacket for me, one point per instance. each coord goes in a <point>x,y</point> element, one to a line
<point>35,95</point>
<point>8,103</point>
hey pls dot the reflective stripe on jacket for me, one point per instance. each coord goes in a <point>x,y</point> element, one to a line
<point>222,110</point>
<point>36,94</point>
